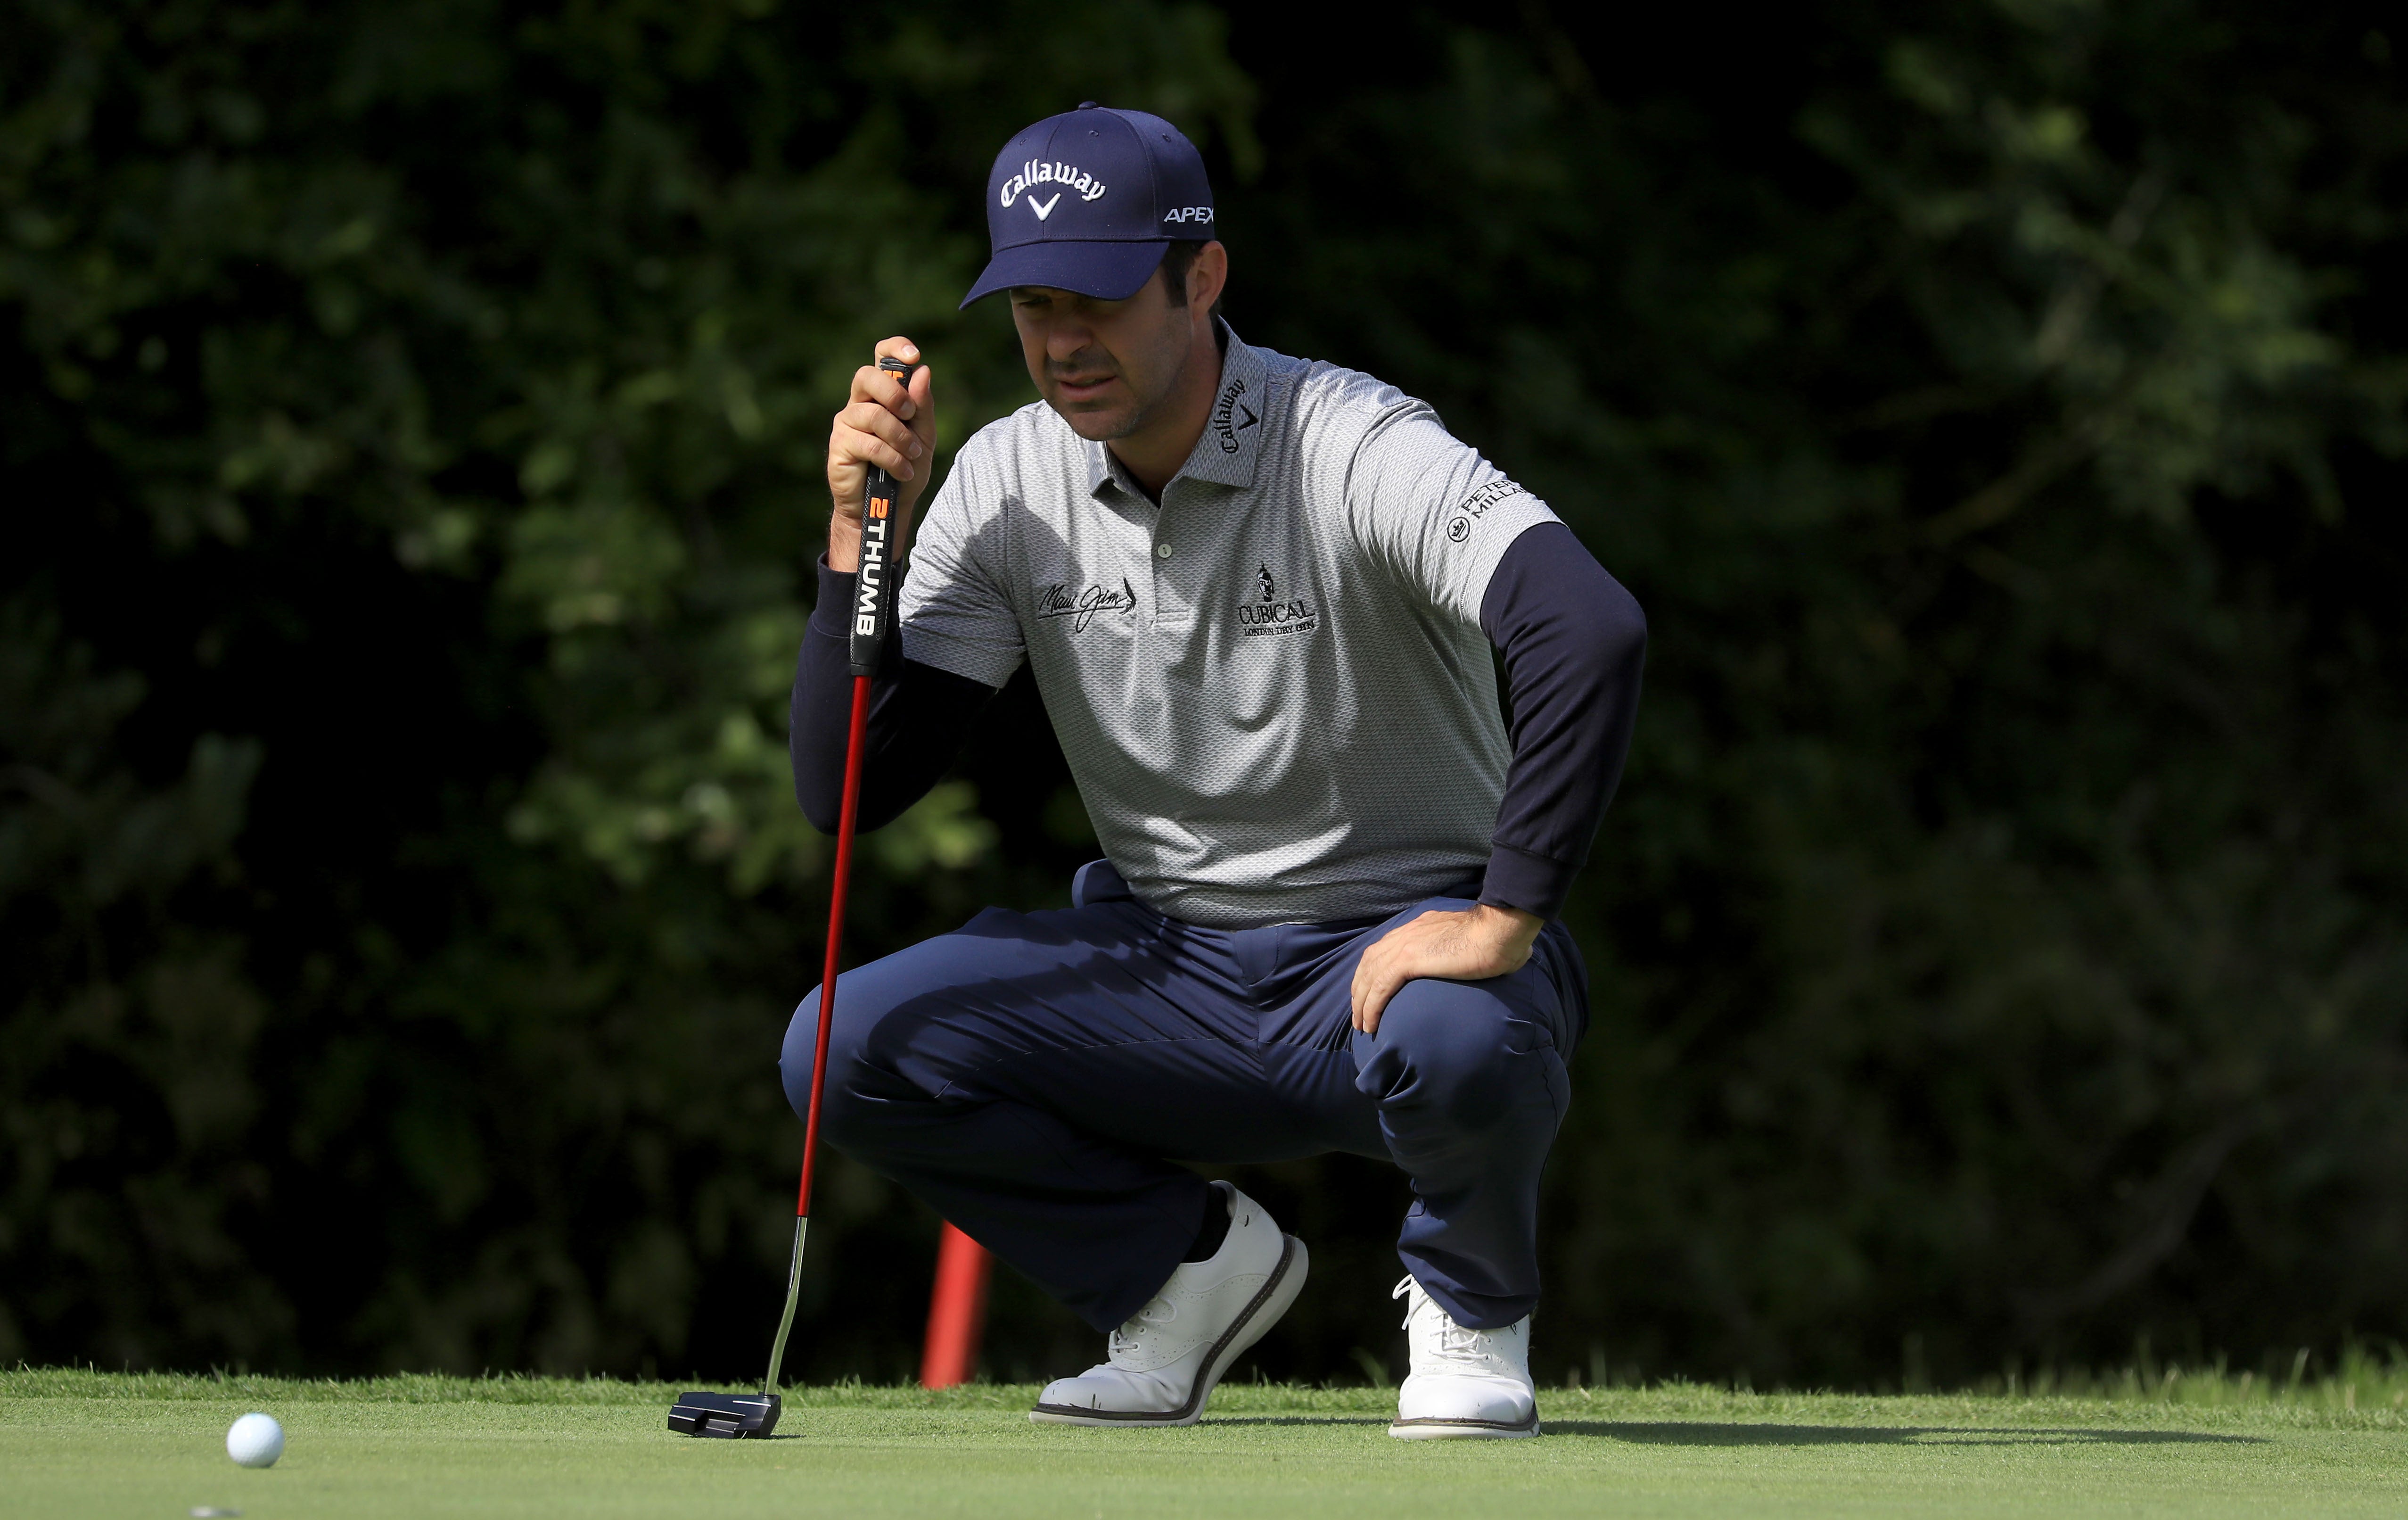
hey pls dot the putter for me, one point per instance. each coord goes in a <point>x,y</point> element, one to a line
<point>742,1416</point>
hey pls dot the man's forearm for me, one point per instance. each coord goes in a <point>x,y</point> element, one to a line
<point>1573,642</point>
<point>844,544</point>
<point>844,541</point>
<point>918,718</point>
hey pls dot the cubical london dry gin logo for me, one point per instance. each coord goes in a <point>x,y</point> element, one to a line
<point>1268,614</point>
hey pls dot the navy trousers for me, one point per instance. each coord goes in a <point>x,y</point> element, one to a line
<point>1034,1077</point>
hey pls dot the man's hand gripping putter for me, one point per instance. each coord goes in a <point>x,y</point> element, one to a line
<point>873,596</point>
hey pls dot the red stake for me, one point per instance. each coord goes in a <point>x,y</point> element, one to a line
<point>956,1311</point>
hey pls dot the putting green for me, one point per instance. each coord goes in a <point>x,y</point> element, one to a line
<point>105,1445</point>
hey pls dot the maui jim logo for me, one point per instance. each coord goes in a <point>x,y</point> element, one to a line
<point>1069,177</point>
<point>1230,417</point>
<point>1057,601</point>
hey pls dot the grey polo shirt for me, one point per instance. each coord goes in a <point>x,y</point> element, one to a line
<point>1272,689</point>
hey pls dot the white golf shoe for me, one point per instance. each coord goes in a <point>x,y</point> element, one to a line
<point>1464,1383</point>
<point>1163,1363</point>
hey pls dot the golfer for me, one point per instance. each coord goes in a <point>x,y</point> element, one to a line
<point>1258,595</point>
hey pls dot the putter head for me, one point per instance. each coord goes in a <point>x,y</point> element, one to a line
<point>724,1416</point>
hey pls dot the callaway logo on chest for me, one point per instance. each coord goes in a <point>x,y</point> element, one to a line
<point>1077,180</point>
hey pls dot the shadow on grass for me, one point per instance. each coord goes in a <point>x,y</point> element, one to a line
<point>1301,1419</point>
<point>1688,1433</point>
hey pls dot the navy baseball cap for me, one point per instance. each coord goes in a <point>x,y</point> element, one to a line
<point>1087,201</point>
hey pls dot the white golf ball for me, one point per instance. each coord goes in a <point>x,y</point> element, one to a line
<point>255,1440</point>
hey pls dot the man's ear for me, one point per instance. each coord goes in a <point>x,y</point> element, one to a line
<point>1209,275</point>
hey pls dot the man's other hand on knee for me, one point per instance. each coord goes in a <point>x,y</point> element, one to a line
<point>1469,944</point>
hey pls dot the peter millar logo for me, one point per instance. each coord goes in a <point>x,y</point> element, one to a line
<point>1077,180</point>
<point>1269,614</point>
<point>1058,601</point>
<point>1477,504</point>
<point>1232,416</point>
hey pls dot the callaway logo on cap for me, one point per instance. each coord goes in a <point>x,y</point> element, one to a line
<point>1087,201</point>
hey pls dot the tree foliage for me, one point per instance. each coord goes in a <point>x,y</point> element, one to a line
<point>412,430</point>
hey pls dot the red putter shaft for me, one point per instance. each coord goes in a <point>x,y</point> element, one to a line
<point>854,738</point>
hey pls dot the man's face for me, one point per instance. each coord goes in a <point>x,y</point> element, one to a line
<point>1105,365</point>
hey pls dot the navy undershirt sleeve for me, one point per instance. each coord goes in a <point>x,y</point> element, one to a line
<point>1574,642</point>
<point>919,716</point>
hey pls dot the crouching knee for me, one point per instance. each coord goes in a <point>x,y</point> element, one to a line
<point>838,1107</point>
<point>1460,1054</point>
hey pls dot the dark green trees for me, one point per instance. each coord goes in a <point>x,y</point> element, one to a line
<point>412,421</point>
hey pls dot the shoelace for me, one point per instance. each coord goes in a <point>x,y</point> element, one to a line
<point>1157,1312</point>
<point>1454,1342</point>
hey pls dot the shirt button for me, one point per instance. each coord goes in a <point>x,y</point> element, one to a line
<point>1161,551</point>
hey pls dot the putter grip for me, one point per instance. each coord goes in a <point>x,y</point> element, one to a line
<point>874,581</point>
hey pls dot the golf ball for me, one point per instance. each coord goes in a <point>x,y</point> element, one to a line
<point>255,1440</point>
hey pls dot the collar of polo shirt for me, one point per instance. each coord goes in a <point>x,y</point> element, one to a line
<point>1233,430</point>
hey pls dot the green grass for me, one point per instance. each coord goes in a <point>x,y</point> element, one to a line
<point>103,1444</point>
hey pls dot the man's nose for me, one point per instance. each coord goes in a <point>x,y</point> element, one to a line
<point>1067,341</point>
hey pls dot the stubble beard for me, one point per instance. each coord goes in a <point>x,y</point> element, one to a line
<point>1101,427</point>
<point>1108,423</point>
